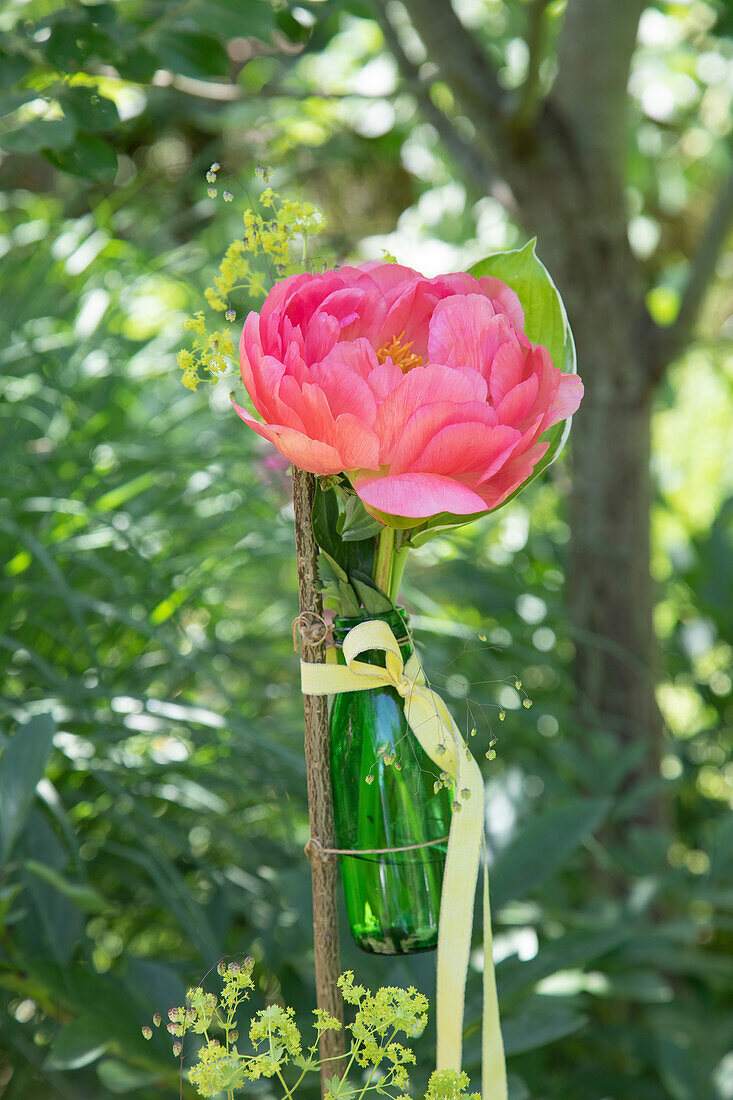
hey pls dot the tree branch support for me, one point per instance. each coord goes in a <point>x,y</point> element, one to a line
<point>320,799</point>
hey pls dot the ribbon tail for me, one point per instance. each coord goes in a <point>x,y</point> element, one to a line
<point>456,920</point>
<point>493,1061</point>
<point>436,731</point>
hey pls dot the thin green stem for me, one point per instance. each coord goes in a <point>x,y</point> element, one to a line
<point>384,557</point>
<point>281,1079</point>
<point>398,571</point>
<point>289,1091</point>
<point>383,1047</point>
<point>350,1063</point>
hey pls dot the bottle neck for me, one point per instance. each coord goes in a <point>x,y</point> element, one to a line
<point>398,621</point>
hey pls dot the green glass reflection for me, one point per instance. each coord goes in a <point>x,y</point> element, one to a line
<point>392,901</point>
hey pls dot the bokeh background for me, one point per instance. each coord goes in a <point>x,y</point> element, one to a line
<point>152,787</point>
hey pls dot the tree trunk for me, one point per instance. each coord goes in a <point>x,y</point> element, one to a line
<point>610,587</point>
<point>581,225</point>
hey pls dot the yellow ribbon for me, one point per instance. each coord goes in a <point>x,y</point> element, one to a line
<point>432,724</point>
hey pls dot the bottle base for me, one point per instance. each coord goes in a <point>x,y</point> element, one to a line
<point>400,944</point>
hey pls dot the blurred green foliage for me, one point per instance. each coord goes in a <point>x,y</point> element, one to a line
<point>156,820</point>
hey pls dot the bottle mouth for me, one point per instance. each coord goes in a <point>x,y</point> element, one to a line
<point>398,620</point>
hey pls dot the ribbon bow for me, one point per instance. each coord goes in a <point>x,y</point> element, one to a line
<point>433,726</point>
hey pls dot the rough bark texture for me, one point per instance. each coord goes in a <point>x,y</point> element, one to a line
<point>320,801</point>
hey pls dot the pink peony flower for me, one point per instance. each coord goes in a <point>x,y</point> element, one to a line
<point>426,392</point>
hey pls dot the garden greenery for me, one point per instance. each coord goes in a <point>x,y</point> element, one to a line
<point>157,821</point>
<point>221,1067</point>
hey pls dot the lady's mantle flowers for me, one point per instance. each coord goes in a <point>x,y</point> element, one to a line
<point>425,392</point>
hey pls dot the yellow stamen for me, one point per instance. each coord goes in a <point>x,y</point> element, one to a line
<point>400,354</point>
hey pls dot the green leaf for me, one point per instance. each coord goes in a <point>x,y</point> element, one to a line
<point>89,109</point>
<point>89,157</point>
<point>571,950</point>
<point>196,55</point>
<point>541,846</point>
<point>39,133</point>
<point>79,1044</point>
<point>347,600</point>
<point>77,37</point>
<point>680,1071</point>
<point>255,19</point>
<point>66,47</point>
<point>83,896</point>
<point>138,63</point>
<point>438,525</point>
<point>119,1077</point>
<point>517,1088</point>
<point>7,896</point>
<point>339,1087</point>
<point>356,523</point>
<point>22,765</point>
<point>374,600</point>
<point>13,67</point>
<point>289,25</point>
<point>349,557</point>
<point>641,986</point>
<point>542,1020</point>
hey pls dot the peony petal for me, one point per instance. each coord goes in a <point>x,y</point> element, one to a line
<point>355,442</point>
<point>368,322</point>
<point>309,454</point>
<point>408,316</point>
<point>513,474</point>
<point>345,389</point>
<point>308,296</point>
<point>503,299</point>
<point>291,337</point>
<point>354,356</point>
<point>429,419</point>
<point>344,305</point>
<point>250,353</point>
<point>507,369</point>
<point>456,282</point>
<point>519,402</point>
<point>423,386</point>
<point>466,448</point>
<point>418,496</point>
<point>567,399</point>
<point>310,403</point>
<point>277,301</point>
<point>386,276</point>
<point>321,333</point>
<point>384,378</point>
<point>457,328</point>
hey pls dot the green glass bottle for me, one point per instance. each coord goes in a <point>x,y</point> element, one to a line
<point>384,798</point>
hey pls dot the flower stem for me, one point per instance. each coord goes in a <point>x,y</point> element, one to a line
<point>383,558</point>
<point>398,571</point>
<point>281,1079</point>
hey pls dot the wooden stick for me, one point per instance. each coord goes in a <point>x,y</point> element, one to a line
<point>320,799</point>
